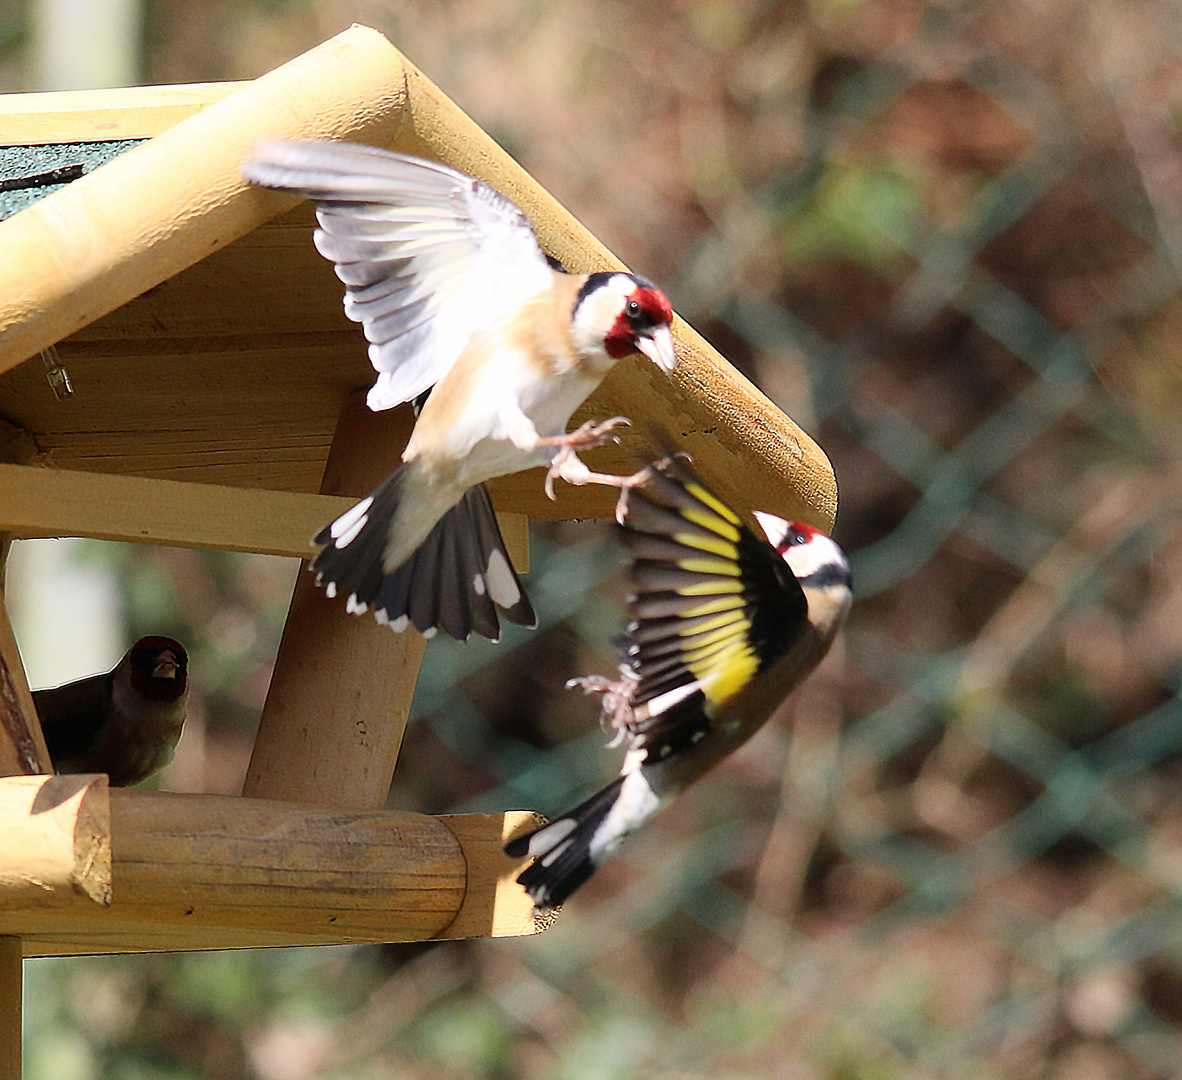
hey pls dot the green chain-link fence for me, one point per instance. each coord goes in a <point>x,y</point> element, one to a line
<point>970,865</point>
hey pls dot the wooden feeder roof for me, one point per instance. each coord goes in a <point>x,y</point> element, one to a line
<point>205,337</point>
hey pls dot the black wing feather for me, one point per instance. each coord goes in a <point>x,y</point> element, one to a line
<point>713,604</point>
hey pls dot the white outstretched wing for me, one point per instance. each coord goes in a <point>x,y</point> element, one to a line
<point>428,255</point>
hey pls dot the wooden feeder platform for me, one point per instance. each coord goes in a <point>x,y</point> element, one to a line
<point>218,402</point>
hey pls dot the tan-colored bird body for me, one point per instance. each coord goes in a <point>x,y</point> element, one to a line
<point>456,298</point>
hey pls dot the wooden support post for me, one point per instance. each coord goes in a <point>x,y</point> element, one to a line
<point>11,991</point>
<point>325,739</point>
<point>22,746</point>
<point>22,750</point>
<point>15,445</point>
<point>15,744</point>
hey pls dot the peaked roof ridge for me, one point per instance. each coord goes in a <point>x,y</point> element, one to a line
<point>173,201</point>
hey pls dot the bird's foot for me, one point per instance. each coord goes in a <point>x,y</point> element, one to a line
<point>566,463</point>
<point>616,707</point>
<point>588,434</point>
<point>569,467</point>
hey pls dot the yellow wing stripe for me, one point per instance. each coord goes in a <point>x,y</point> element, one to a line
<point>735,629</point>
<point>714,645</point>
<point>710,521</point>
<point>721,567</point>
<point>730,678</point>
<point>706,659</point>
<point>710,588</point>
<point>727,619</point>
<point>721,509</point>
<point>716,545</point>
<point>727,604</point>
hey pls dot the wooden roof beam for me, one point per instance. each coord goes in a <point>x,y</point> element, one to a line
<point>42,502</point>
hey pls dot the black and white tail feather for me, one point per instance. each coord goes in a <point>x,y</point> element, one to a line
<point>568,849</point>
<point>454,581</point>
<point>724,625</point>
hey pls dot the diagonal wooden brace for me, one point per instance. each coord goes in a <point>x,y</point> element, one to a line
<point>22,746</point>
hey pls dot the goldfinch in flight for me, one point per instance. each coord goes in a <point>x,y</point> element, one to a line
<point>124,722</point>
<point>724,626</point>
<point>457,298</point>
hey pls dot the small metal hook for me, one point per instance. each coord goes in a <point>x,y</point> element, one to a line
<point>56,374</point>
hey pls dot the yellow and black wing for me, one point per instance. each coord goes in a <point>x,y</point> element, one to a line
<point>713,605</point>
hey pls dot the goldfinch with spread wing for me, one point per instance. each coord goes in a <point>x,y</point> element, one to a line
<point>124,722</point>
<point>457,298</point>
<point>724,626</point>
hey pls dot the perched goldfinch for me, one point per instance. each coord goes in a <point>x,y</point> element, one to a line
<point>724,626</point>
<point>456,298</point>
<point>124,722</point>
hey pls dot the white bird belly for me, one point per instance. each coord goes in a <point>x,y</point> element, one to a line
<point>475,439</point>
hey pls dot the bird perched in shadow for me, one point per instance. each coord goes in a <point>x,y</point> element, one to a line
<point>725,624</point>
<point>457,298</point>
<point>124,722</point>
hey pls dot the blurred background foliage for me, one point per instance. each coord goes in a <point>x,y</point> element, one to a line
<point>945,238</point>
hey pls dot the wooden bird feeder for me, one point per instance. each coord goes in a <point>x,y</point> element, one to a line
<point>218,403</point>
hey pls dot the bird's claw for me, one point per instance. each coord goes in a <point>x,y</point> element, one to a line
<point>626,484</point>
<point>569,467</point>
<point>615,714</point>
<point>590,434</point>
<point>566,463</point>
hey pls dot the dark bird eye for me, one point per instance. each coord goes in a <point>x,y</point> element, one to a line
<point>632,308</point>
<point>795,537</point>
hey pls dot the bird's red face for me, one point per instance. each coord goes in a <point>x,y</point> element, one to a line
<point>642,325</point>
<point>798,533</point>
<point>812,557</point>
<point>159,668</point>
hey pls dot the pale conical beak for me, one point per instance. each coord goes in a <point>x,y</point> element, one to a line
<point>166,667</point>
<point>657,345</point>
<point>774,528</point>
